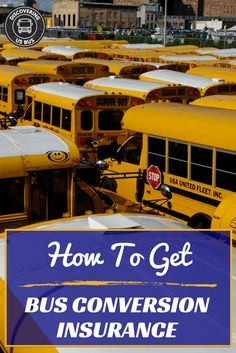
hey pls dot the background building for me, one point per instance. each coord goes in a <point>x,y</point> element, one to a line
<point>220,8</point>
<point>148,14</point>
<point>185,7</point>
<point>125,14</point>
<point>208,8</point>
<point>90,14</point>
<point>131,2</point>
<point>98,1</point>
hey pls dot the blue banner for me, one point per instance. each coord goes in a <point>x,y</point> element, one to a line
<point>130,287</point>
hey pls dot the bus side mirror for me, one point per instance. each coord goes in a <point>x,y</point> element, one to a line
<point>102,165</point>
<point>14,116</point>
<point>165,191</point>
<point>12,120</point>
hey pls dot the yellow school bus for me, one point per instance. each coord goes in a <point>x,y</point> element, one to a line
<point>207,86</point>
<point>121,68</point>
<point>142,46</point>
<point>42,43</point>
<point>13,83</point>
<point>211,63</point>
<point>205,50</point>
<point>32,54</point>
<point>145,56</point>
<point>9,45</point>
<point>72,52</point>
<point>97,43</point>
<point>12,60</point>
<point>193,151</point>
<point>84,115</point>
<point>216,101</point>
<point>43,177</point>
<point>109,53</point>
<point>120,54</point>
<point>187,58</point>
<point>183,49</point>
<point>182,66</point>
<point>190,61</point>
<point>215,72</point>
<point>52,41</point>
<point>224,54</point>
<point>231,63</point>
<point>132,54</point>
<point>149,91</point>
<point>34,162</point>
<point>73,72</point>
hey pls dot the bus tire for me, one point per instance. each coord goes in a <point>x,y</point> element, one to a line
<point>200,221</point>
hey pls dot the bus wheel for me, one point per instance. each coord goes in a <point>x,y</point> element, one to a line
<point>200,221</point>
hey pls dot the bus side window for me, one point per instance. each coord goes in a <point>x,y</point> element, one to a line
<point>12,196</point>
<point>157,152</point>
<point>178,158</point>
<point>29,100</point>
<point>86,120</point>
<point>4,93</point>
<point>46,113</point>
<point>38,110</point>
<point>201,164</point>
<point>66,119</point>
<point>28,113</point>
<point>226,170</point>
<point>56,116</point>
<point>131,151</point>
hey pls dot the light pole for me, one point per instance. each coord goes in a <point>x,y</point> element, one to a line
<point>165,22</point>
